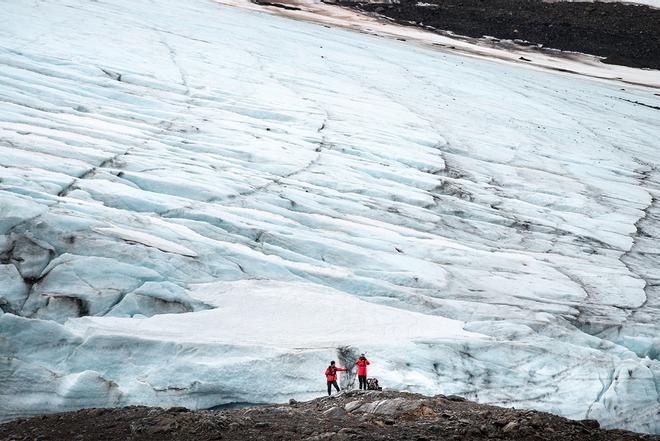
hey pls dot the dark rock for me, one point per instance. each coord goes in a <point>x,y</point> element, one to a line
<point>590,424</point>
<point>623,34</point>
<point>405,416</point>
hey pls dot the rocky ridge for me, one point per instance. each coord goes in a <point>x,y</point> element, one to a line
<point>353,415</point>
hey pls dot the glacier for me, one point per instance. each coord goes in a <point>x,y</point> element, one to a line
<point>202,205</point>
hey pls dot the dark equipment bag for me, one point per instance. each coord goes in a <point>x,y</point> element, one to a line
<point>372,384</point>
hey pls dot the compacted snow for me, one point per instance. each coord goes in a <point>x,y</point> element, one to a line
<point>201,205</point>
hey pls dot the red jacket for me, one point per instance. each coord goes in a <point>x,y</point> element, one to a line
<point>331,372</point>
<point>362,367</point>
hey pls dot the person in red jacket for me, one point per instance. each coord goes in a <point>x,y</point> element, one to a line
<point>362,364</point>
<point>331,376</point>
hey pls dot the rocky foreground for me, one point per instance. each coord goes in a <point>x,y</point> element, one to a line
<point>353,415</point>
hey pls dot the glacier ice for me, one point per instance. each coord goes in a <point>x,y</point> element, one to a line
<point>196,199</point>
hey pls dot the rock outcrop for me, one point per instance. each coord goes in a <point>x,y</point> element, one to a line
<point>354,415</point>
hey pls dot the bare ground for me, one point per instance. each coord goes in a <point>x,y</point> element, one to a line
<point>624,34</point>
<point>354,415</point>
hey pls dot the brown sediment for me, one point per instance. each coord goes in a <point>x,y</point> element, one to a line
<point>355,415</point>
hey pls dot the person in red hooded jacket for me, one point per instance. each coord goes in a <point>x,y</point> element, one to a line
<point>331,376</point>
<point>362,364</point>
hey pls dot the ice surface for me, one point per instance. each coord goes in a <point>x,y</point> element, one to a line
<point>196,200</point>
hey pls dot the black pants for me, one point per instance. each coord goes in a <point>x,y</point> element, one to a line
<point>330,384</point>
<point>363,381</point>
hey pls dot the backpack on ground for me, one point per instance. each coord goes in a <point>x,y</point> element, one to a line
<point>372,384</point>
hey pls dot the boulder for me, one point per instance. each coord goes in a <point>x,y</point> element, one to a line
<point>511,427</point>
<point>353,405</point>
<point>391,407</point>
<point>334,412</point>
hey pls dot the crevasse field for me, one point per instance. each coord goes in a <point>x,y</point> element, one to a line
<point>201,205</point>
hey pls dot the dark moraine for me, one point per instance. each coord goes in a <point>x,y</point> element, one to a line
<point>624,34</point>
<point>354,416</point>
